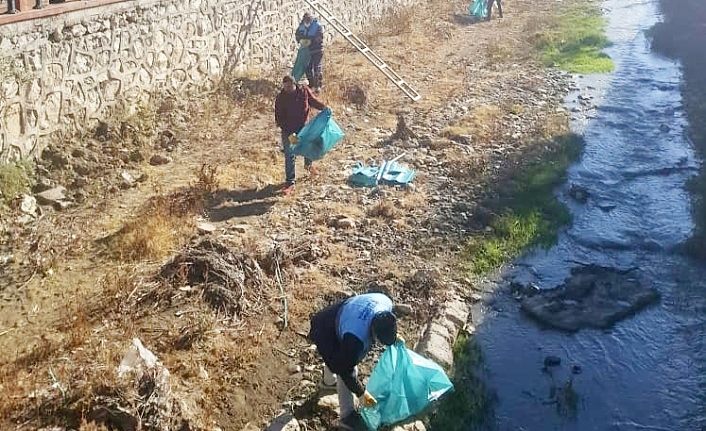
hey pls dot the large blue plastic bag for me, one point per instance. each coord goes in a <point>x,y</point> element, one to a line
<point>404,383</point>
<point>301,63</point>
<point>318,136</point>
<point>479,9</point>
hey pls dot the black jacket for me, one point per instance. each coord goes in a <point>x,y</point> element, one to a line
<point>340,356</point>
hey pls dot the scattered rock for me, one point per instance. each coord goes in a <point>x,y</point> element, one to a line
<point>127,180</point>
<point>28,205</point>
<point>328,403</point>
<point>342,222</point>
<point>576,369</point>
<point>241,227</point>
<point>414,426</point>
<point>552,361</point>
<point>403,310</point>
<point>664,128</point>
<point>286,422</point>
<point>55,197</point>
<point>205,227</point>
<point>294,369</point>
<point>476,297</point>
<point>43,184</point>
<point>136,156</point>
<point>158,159</point>
<point>578,193</point>
<point>592,297</point>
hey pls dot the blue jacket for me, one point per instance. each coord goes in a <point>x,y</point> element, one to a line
<point>315,33</point>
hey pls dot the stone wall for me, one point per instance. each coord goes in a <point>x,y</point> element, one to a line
<point>63,71</point>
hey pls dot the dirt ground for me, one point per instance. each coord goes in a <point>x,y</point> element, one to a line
<point>149,259</point>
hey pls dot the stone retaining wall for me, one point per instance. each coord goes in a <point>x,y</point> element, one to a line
<point>63,71</point>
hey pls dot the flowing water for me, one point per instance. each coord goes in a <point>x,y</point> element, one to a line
<point>649,371</point>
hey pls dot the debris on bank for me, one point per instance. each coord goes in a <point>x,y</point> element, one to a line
<point>592,297</point>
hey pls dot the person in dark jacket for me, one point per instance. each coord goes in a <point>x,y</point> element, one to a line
<point>292,108</point>
<point>490,8</point>
<point>310,33</point>
<point>343,334</point>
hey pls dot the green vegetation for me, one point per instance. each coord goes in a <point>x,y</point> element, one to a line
<point>469,404</point>
<point>529,214</point>
<point>573,40</point>
<point>15,178</point>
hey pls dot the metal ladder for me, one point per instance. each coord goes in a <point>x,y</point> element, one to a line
<point>364,49</point>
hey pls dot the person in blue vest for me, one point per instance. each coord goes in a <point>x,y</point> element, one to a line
<point>310,33</point>
<point>343,334</point>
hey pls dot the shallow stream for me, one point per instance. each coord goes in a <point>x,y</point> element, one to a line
<point>649,371</point>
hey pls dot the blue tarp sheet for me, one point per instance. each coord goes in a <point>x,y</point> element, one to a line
<point>393,174</point>
<point>404,383</point>
<point>318,136</point>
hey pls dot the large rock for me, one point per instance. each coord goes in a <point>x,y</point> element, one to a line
<point>414,426</point>
<point>593,297</point>
<point>437,345</point>
<point>285,422</point>
<point>55,197</point>
<point>328,403</point>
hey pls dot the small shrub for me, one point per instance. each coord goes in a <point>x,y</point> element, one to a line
<point>15,178</point>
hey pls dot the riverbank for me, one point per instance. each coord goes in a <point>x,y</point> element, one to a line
<point>84,281</point>
<point>682,35</point>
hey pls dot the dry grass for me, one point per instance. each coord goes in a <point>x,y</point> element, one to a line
<point>481,124</point>
<point>498,52</point>
<point>384,209</point>
<point>165,222</point>
<point>395,21</point>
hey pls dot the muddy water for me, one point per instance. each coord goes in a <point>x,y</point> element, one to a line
<point>649,371</point>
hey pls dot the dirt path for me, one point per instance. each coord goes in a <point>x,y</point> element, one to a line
<point>487,106</point>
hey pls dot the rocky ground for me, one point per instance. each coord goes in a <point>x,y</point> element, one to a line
<point>171,229</point>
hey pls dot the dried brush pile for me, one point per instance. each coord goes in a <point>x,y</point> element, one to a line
<point>230,282</point>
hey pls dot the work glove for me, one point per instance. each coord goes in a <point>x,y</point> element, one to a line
<point>366,400</point>
<point>400,340</point>
<point>304,43</point>
<point>293,139</point>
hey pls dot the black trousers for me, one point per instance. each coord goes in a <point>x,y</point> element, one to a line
<point>490,8</point>
<point>314,71</point>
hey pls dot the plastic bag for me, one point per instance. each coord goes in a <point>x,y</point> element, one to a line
<point>301,63</point>
<point>318,136</point>
<point>404,384</point>
<point>479,9</point>
<point>393,174</point>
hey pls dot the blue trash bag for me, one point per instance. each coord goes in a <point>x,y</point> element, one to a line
<point>478,9</point>
<point>404,383</point>
<point>301,63</point>
<point>318,136</point>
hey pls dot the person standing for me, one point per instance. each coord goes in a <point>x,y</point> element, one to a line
<point>311,33</point>
<point>292,107</point>
<point>343,334</point>
<point>490,8</point>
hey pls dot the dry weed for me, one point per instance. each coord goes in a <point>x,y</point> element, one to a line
<point>384,209</point>
<point>498,52</point>
<point>481,123</point>
<point>394,21</point>
<point>554,125</point>
<point>150,237</point>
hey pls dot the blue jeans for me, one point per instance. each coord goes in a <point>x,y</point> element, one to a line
<point>289,160</point>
